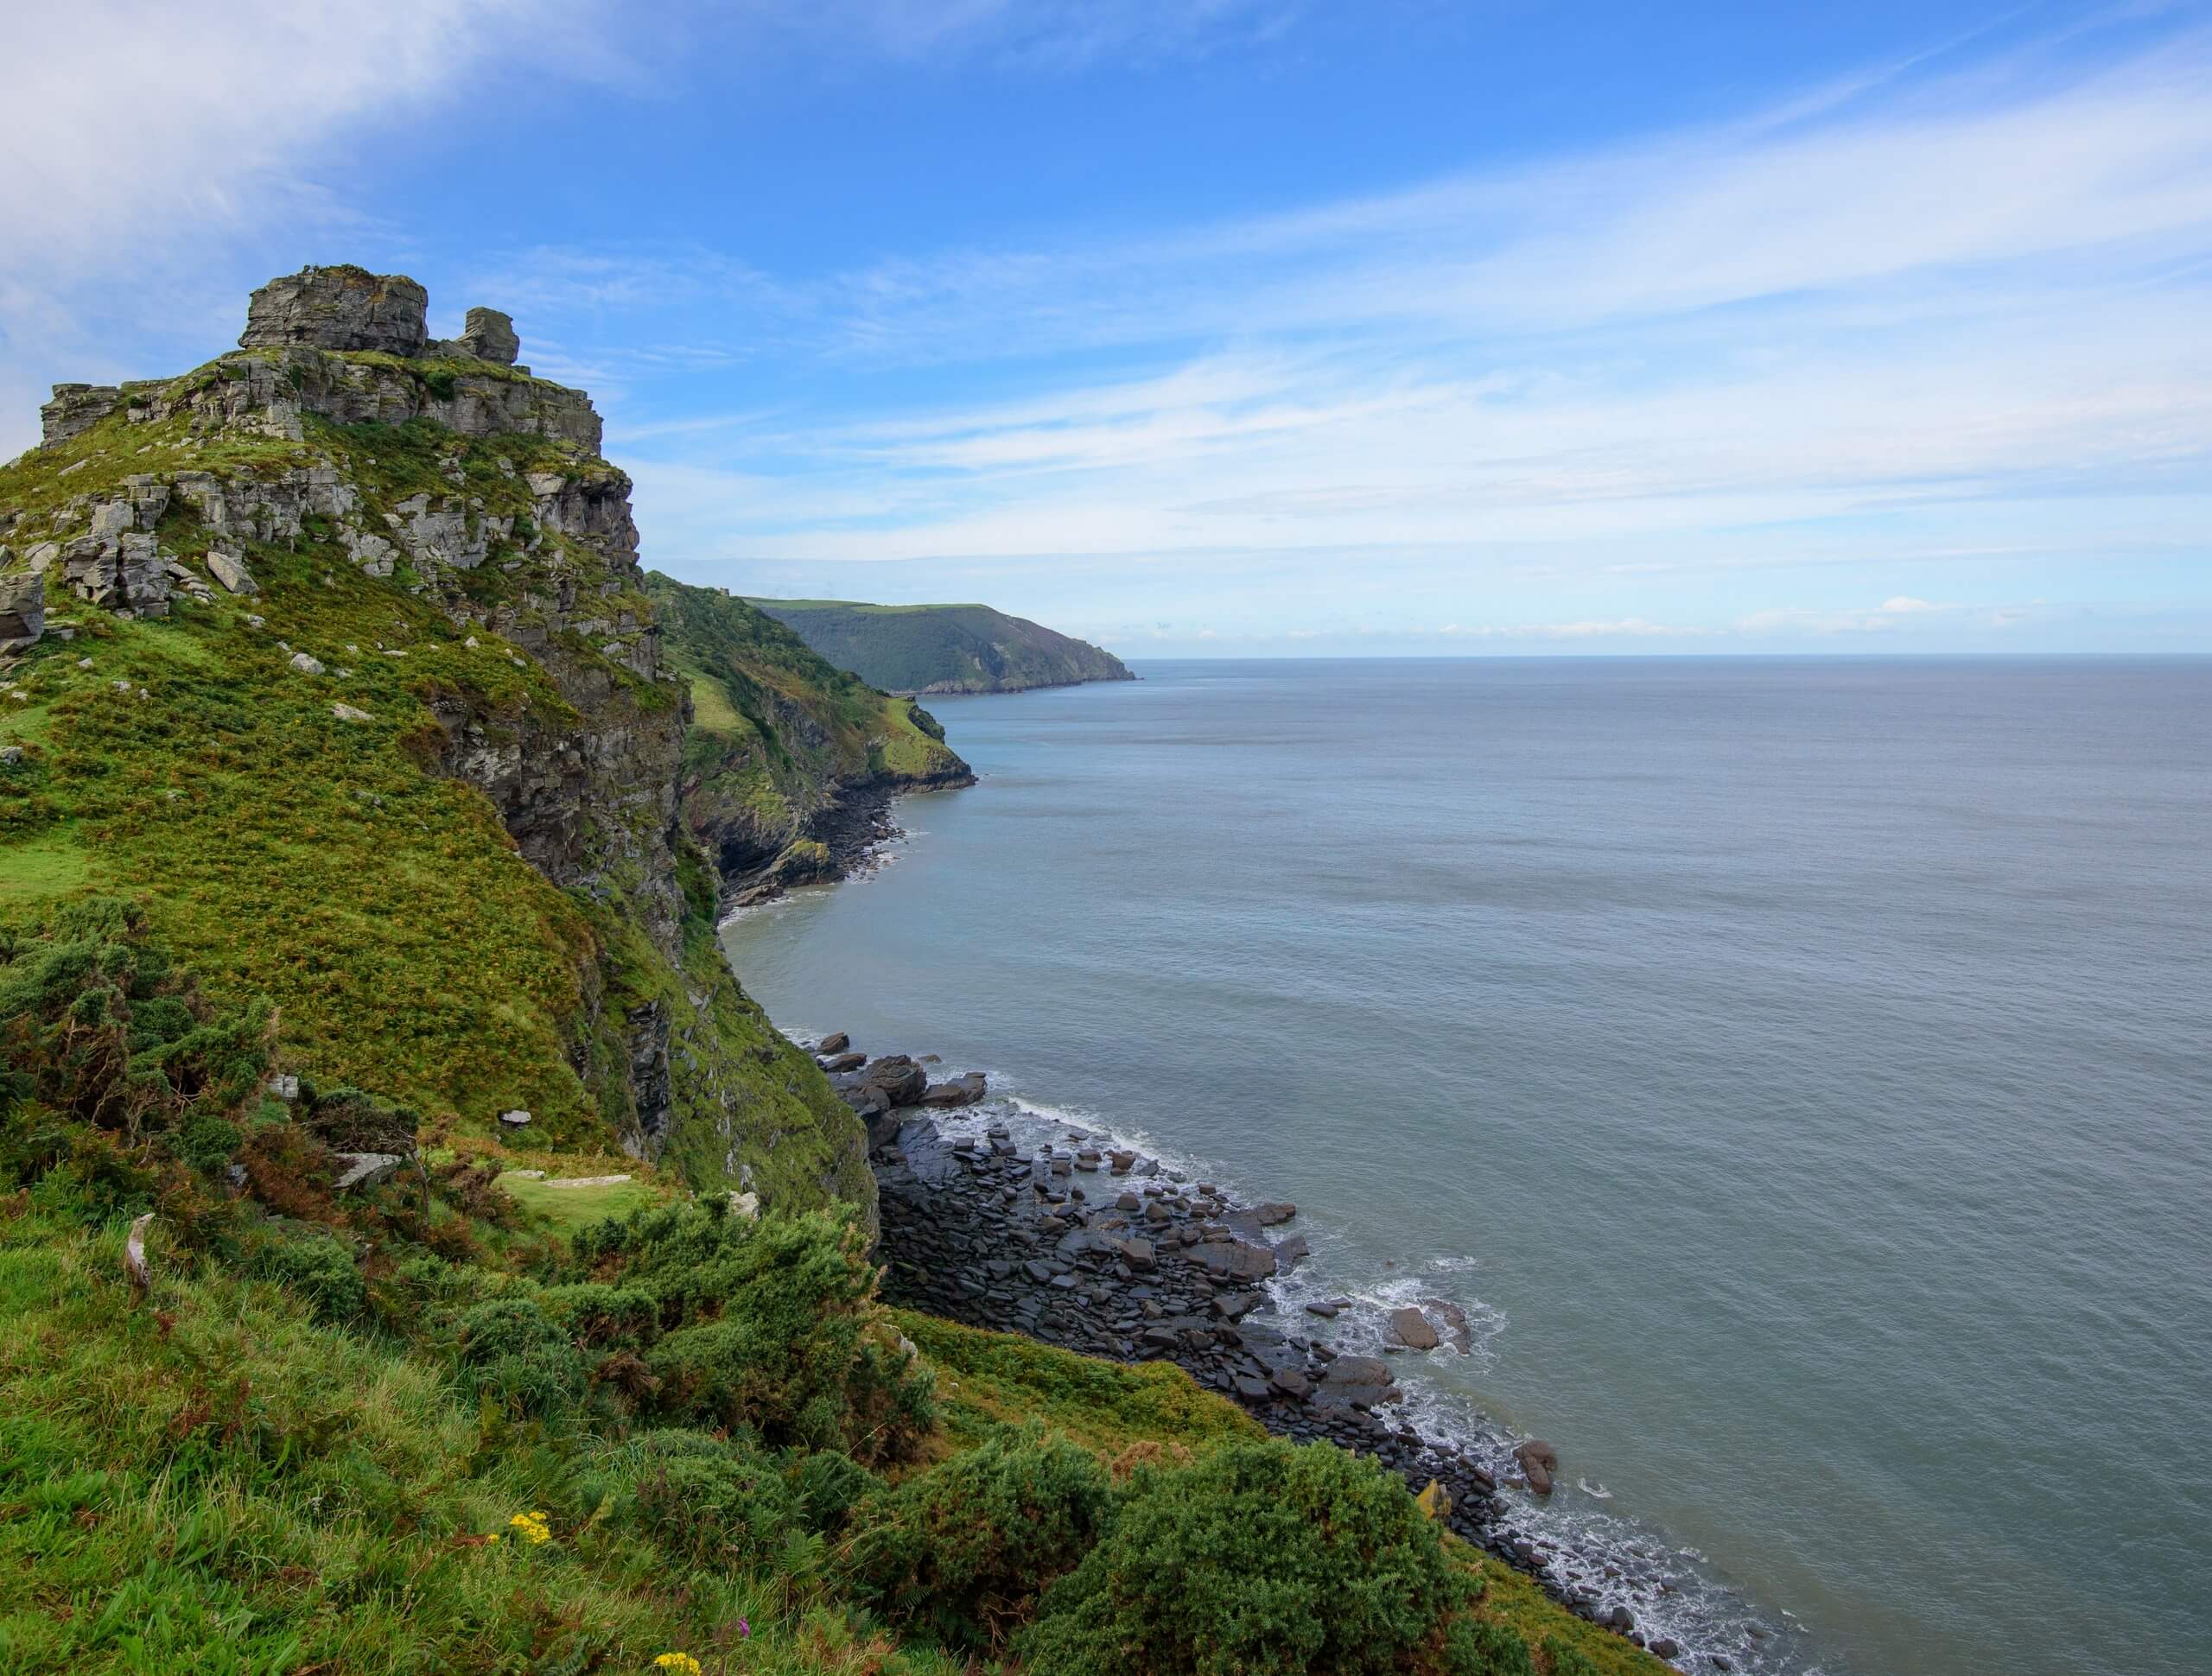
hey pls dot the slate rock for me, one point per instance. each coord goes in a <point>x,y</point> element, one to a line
<point>343,308</point>
<point>363,1169</point>
<point>22,610</point>
<point>1413,1329</point>
<point>231,571</point>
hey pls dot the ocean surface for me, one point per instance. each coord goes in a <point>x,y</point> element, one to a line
<point>1800,1070</point>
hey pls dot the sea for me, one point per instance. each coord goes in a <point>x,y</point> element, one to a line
<point>1799,1070</point>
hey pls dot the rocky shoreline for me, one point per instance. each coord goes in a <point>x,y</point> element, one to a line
<point>846,838</point>
<point>1073,1240</point>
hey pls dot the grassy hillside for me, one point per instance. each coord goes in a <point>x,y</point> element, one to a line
<point>421,1427</point>
<point>338,868</point>
<point>778,736</point>
<point>943,649</point>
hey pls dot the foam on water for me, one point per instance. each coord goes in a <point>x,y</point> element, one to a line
<point>1587,1550</point>
<point>1802,1060</point>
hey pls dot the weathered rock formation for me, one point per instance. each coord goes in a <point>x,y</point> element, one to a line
<point>340,307</point>
<point>22,609</point>
<point>506,520</point>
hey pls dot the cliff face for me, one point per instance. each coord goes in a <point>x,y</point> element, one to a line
<point>944,649</point>
<point>788,762</point>
<point>300,588</point>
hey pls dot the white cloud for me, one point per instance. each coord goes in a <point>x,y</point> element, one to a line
<point>152,144</point>
<point>125,120</point>
<point>1586,629</point>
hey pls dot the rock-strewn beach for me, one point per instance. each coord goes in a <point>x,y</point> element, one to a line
<point>1074,1240</point>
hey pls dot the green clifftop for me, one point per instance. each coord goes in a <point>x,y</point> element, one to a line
<point>344,667</point>
<point>943,649</point>
<point>785,755</point>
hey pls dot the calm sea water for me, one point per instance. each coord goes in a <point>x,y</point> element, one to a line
<point>1803,1070</point>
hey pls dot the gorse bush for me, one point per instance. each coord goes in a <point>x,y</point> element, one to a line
<point>97,1023</point>
<point>513,1354</point>
<point>966,1548</point>
<point>768,1325</point>
<point>716,1504</point>
<point>318,1268</point>
<point>1261,1560</point>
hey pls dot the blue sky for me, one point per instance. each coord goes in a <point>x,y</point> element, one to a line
<point>1238,326</point>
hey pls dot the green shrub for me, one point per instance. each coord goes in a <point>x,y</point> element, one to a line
<point>769,1325</point>
<point>348,1120</point>
<point>724,1505</point>
<point>206,1143</point>
<point>320,1269</point>
<point>828,1485</point>
<point>1476,1648</point>
<point>97,1023</point>
<point>966,1548</point>
<point>598,1315</point>
<point>1261,1560</point>
<point>514,1354</point>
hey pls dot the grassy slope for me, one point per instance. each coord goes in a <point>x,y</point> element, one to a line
<point>284,853</point>
<point>215,1481</point>
<point>212,1480</point>
<point>947,647</point>
<point>775,728</point>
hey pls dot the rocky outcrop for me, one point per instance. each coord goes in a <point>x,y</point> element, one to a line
<point>293,359</point>
<point>76,409</point>
<point>343,308</point>
<point>22,609</point>
<point>493,509</point>
<point>490,336</point>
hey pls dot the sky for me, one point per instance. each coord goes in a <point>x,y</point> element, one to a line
<point>1237,328</point>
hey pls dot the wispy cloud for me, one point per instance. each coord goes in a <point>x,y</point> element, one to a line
<point>153,146</point>
<point>1909,320</point>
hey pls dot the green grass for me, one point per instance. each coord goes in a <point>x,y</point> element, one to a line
<point>568,1209</point>
<point>711,709</point>
<point>211,1481</point>
<point>988,1380</point>
<point>54,864</point>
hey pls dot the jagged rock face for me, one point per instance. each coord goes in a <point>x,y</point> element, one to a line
<point>341,308</point>
<point>490,336</point>
<point>76,407</point>
<point>22,609</point>
<point>118,562</point>
<point>272,391</point>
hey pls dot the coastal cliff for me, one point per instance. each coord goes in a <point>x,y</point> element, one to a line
<point>355,923</point>
<point>944,649</point>
<point>343,662</point>
<point>788,763</point>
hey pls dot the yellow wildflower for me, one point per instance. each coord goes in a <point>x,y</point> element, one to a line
<point>532,1528</point>
<point>677,1664</point>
